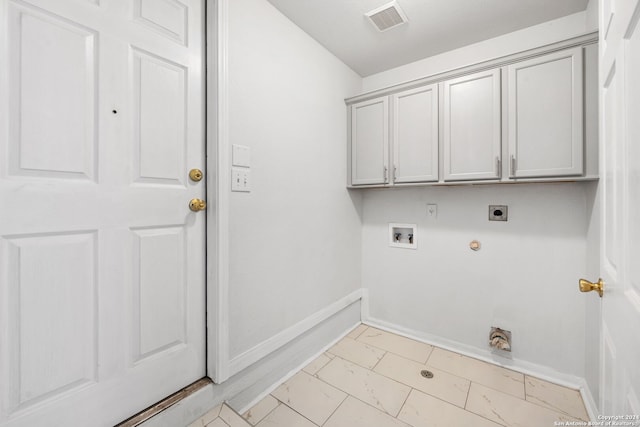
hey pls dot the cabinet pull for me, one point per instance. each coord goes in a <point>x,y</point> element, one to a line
<point>513,165</point>
<point>385,174</point>
<point>395,173</point>
<point>498,166</point>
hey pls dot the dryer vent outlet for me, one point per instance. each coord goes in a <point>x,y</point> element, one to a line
<point>500,339</point>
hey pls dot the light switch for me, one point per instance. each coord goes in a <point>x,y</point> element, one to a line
<point>432,210</point>
<point>241,180</point>
<point>241,156</point>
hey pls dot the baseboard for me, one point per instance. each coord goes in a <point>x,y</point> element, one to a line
<point>589,402</point>
<point>524,367</point>
<point>292,372</point>
<point>270,345</point>
<point>251,384</point>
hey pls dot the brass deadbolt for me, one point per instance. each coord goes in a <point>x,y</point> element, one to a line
<point>196,175</point>
<point>197,205</point>
<point>587,286</point>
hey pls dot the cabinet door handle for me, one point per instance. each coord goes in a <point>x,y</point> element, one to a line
<point>513,165</point>
<point>395,173</point>
<point>498,167</point>
<point>385,174</point>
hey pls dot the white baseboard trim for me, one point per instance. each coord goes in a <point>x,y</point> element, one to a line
<point>295,370</point>
<point>589,402</point>
<point>364,305</point>
<point>268,346</point>
<point>524,367</point>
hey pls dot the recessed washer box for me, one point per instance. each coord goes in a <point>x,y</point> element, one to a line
<point>403,236</point>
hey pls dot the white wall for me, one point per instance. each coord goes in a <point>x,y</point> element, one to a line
<point>524,277</point>
<point>295,239</point>
<point>528,38</point>
<point>593,20</point>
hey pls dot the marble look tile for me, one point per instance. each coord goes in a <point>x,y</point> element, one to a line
<point>314,399</point>
<point>556,397</point>
<point>283,416</point>
<point>370,387</point>
<point>422,410</point>
<point>317,364</point>
<point>207,418</point>
<point>260,410</point>
<point>478,371</point>
<point>510,411</point>
<point>357,331</point>
<point>211,415</point>
<point>354,413</point>
<point>357,352</point>
<point>230,417</point>
<point>444,385</point>
<point>217,423</point>
<point>401,346</point>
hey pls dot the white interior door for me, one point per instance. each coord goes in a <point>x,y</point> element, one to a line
<point>620,181</point>
<point>101,261</point>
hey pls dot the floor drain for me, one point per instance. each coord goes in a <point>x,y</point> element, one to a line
<point>426,374</point>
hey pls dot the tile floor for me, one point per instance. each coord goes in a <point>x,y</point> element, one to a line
<point>371,378</point>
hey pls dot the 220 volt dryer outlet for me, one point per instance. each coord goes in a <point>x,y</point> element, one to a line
<point>498,212</point>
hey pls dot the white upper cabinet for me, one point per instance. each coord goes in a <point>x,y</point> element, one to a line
<point>545,109</point>
<point>415,135</point>
<point>370,142</point>
<point>472,127</point>
<point>448,128</point>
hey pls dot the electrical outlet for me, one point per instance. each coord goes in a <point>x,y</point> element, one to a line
<point>498,212</point>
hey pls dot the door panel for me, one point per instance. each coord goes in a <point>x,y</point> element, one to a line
<point>159,88</point>
<point>160,290</point>
<point>101,261</point>
<point>53,290</point>
<point>168,17</point>
<point>52,108</point>
<point>632,56</point>
<point>620,94</point>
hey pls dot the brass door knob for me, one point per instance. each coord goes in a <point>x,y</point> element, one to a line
<point>196,175</point>
<point>197,205</point>
<point>587,286</point>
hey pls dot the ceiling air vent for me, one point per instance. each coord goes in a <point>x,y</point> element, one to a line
<point>387,16</point>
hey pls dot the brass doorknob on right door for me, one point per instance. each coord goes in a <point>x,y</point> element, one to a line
<point>587,286</point>
<point>197,205</point>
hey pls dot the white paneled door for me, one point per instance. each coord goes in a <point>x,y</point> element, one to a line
<point>101,260</point>
<point>620,188</point>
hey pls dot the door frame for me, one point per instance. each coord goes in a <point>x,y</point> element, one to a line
<point>218,183</point>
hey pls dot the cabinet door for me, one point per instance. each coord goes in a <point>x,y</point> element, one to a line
<point>370,142</point>
<point>472,127</point>
<point>545,115</point>
<point>415,135</point>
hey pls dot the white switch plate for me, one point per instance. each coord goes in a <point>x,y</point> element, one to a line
<point>241,179</point>
<point>432,210</point>
<point>241,156</point>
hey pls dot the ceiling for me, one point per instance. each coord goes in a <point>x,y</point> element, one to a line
<point>434,26</point>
